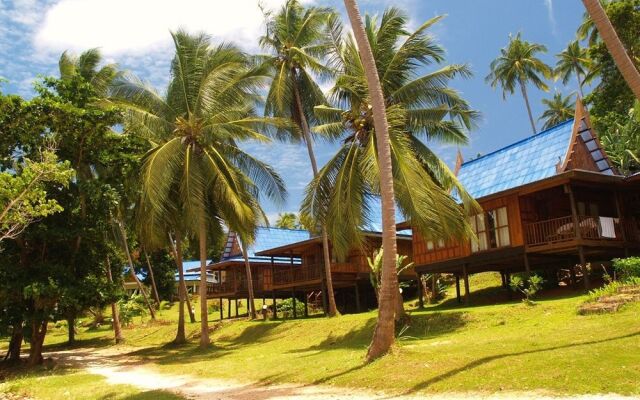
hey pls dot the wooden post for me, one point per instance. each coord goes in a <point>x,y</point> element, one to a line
<point>357,293</point>
<point>293,300</point>
<point>583,264</point>
<point>458,288</point>
<point>324,298</point>
<point>574,213</point>
<point>229,308</point>
<point>236,300</point>
<point>622,222</point>
<point>420,293</point>
<point>465,276</point>
<point>306,304</point>
<point>221,314</point>
<point>273,291</point>
<point>248,309</point>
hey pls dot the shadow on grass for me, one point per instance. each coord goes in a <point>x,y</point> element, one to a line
<point>356,338</point>
<point>173,354</point>
<point>256,332</point>
<point>488,359</point>
<point>150,395</point>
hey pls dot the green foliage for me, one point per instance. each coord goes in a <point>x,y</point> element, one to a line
<point>130,308</point>
<point>528,287</point>
<point>627,268</point>
<point>287,221</point>
<point>420,105</point>
<point>557,110</point>
<point>23,192</point>
<point>375,265</point>
<point>164,269</point>
<point>441,287</point>
<point>621,139</point>
<point>573,61</point>
<point>285,308</point>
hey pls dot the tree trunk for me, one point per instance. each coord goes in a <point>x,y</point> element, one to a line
<point>38,333</point>
<point>153,279</point>
<point>579,84</point>
<point>251,305</point>
<point>123,232</point>
<point>204,322</point>
<point>304,126</point>
<point>523,87</point>
<point>71,327</point>
<point>15,344</point>
<point>181,283</point>
<point>614,45</point>
<point>115,313</point>
<point>181,337</point>
<point>384,334</point>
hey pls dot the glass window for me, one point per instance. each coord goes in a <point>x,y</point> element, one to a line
<point>429,245</point>
<point>492,230</point>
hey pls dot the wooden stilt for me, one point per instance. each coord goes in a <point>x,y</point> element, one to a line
<point>420,293</point>
<point>306,304</point>
<point>465,276</point>
<point>293,297</point>
<point>236,301</point>
<point>357,293</point>
<point>229,308</point>
<point>458,289</point>
<point>585,270</point>
<point>221,314</point>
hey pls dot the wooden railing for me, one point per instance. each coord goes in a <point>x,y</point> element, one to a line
<point>590,228</point>
<point>345,267</point>
<point>298,274</point>
<point>233,286</point>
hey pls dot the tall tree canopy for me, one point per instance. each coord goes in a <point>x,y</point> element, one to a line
<point>418,107</point>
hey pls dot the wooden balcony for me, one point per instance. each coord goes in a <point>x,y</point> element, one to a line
<point>232,286</point>
<point>561,230</point>
<point>298,275</point>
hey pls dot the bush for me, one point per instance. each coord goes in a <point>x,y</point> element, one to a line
<point>285,308</point>
<point>528,288</point>
<point>627,268</point>
<point>130,308</point>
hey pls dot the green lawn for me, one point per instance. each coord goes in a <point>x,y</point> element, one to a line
<point>448,347</point>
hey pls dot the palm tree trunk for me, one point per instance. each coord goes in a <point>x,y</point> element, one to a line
<point>610,38</point>
<point>181,284</point>
<point>153,279</point>
<point>204,311</point>
<point>384,334</point>
<point>332,311</point>
<point>181,337</point>
<point>115,313</point>
<point>123,232</point>
<point>523,87</point>
<point>251,305</point>
<point>579,84</point>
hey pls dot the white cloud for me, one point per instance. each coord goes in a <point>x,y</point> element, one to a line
<point>142,26</point>
<point>552,19</point>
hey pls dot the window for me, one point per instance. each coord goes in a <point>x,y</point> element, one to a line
<point>492,229</point>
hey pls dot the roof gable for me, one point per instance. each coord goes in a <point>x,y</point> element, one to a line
<point>266,238</point>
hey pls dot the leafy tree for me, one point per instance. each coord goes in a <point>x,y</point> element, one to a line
<point>516,66</point>
<point>196,171</point>
<point>557,109</point>
<point>296,44</point>
<point>528,287</point>
<point>621,140</point>
<point>287,221</point>
<point>573,61</point>
<point>375,276</point>
<point>23,194</point>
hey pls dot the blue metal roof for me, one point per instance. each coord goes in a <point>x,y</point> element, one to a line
<point>526,161</point>
<point>269,238</point>
<point>191,264</point>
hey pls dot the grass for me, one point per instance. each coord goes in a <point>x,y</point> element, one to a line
<point>76,385</point>
<point>494,345</point>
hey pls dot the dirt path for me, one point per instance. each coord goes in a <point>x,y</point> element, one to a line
<point>118,368</point>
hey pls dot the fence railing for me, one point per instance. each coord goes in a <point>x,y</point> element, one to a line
<point>297,274</point>
<point>591,228</point>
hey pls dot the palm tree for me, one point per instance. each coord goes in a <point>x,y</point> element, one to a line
<point>574,60</point>
<point>287,221</point>
<point>416,106</point>
<point>296,44</point>
<point>196,169</point>
<point>557,110</point>
<point>614,45</point>
<point>518,65</point>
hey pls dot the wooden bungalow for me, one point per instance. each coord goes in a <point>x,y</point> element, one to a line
<point>350,275</point>
<point>551,201</point>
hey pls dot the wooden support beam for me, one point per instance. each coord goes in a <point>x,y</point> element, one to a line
<point>420,293</point>
<point>465,276</point>
<point>458,289</point>
<point>221,313</point>
<point>585,269</point>
<point>273,292</point>
<point>293,299</point>
<point>306,305</point>
<point>574,213</point>
<point>236,299</point>
<point>357,293</point>
<point>228,308</point>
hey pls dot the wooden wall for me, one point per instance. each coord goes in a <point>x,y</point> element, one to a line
<point>422,255</point>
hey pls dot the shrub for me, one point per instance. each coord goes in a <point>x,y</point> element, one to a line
<point>285,308</point>
<point>627,268</point>
<point>130,308</point>
<point>528,288</point>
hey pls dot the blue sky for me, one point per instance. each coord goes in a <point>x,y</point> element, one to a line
<point>135,34</point>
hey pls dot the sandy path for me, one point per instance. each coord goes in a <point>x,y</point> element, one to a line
<point>118,368</point>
